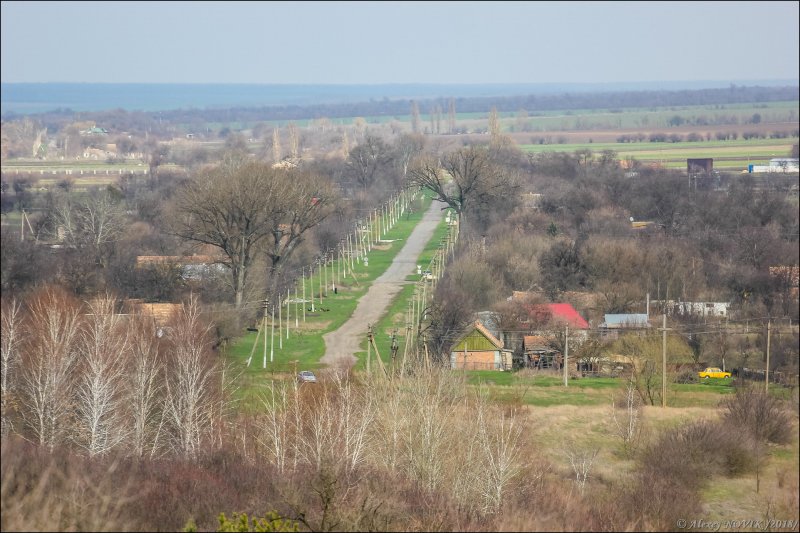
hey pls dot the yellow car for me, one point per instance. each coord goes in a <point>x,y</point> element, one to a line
<point>713,372</point>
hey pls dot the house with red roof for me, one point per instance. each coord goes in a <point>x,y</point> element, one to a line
<point>566,315</point>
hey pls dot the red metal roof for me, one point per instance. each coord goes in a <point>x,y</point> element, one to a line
<point>564,313</point>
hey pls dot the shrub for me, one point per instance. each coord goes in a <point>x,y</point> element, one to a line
<point>687,376</point>
<point>762,415</point>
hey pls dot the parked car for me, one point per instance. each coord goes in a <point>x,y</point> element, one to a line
<point>306,376</point>
<point>713,372</point>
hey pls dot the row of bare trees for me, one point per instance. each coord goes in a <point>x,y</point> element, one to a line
<point>83,375</point>
<point>427,426</point>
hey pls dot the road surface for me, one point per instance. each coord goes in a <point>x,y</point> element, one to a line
<point>341,344</point>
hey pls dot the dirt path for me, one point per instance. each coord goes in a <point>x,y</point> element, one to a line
<point>340,345</point>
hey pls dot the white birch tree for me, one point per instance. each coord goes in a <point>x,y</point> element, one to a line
<point>48,365</point>
<point>10,341</point>
<point>99,395</point>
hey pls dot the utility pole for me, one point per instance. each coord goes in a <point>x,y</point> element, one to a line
<point>566,355</point>
<point>311,286</point>
<point>321,274</point>
<point>303,275</point>
<point>272,336</point>
<point>296,316</point>
<point>766,371</point>
<point>369,348</point>
<point>394,348</point>
<point>664,361</point>
<point>333,272</point>
<point>325,272</point>
<point>264,327</point>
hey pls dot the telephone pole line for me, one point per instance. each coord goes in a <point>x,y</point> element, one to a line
<point>766,370</point>
<point>664,330</point>
<point>566,355</point>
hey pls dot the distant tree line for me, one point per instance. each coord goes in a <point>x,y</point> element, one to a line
<point>121,120</point>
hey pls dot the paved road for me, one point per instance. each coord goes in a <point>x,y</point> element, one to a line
<point>341,344</point>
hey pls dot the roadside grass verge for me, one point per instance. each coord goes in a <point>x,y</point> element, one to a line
<point>395,317</point>
<point>304,346</point>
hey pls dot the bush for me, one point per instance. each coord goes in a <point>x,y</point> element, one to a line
<point>687,376</point>
<point>675,468</point>
<point>762,415</point>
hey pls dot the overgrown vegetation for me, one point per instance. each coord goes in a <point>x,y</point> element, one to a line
<point>94,392</point>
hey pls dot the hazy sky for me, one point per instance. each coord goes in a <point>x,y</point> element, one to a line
<point>398,42</point>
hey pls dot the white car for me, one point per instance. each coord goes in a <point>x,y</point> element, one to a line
<point>306,376</point>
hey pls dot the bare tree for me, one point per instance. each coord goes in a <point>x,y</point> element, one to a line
<point>465,179</point>
<point>408,146</point>
<point>190,381</point>
<point>99,396</point>
<point>243,208</point>
<point>494,125</point>
<point>231,208</point>
<point>145,387</point>
<point>276,145</point>
<point>95,223</point>
<point>49,360</point>
<point>500,448</point>
<point>276,427</point>
<point>305,201</point>
<point>581,461</point>
<point>433,396</point>
<point>416,124</point>
<point>356,414</point>
<point>451,116</point>
<point>294,140</point>
<point>345,145</point>
<point>367,159</point>
<point>10,342</point>
<point>628,427</point>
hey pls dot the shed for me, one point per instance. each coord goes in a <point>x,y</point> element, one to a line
<point>539,353</point>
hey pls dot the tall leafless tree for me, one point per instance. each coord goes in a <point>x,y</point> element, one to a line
<point>366,160</point>
<point>464,179</point>
<point>451,116</point>
<point>276,145</point>
<point>294,140</point>
<point>191,401</point>
<point>230,208</point>
<point>306,200</point>
<point>416,123</point>
<point>247,208</point>
<point>10,341</point>
<point>93,224</point>
<point>407,147</point>
<point>99,394</point>
<point>145,387</point>
<point>49,361</point>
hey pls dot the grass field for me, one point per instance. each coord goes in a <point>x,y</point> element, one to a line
<point>730,155</point>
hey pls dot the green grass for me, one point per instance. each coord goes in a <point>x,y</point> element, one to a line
<point>674,155</point>
<point>578,119</point>
<point>545,390</point>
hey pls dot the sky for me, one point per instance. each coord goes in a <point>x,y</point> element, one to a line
<point>398,42</point>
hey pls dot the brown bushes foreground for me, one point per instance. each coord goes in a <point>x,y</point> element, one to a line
<point>763,416</point>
